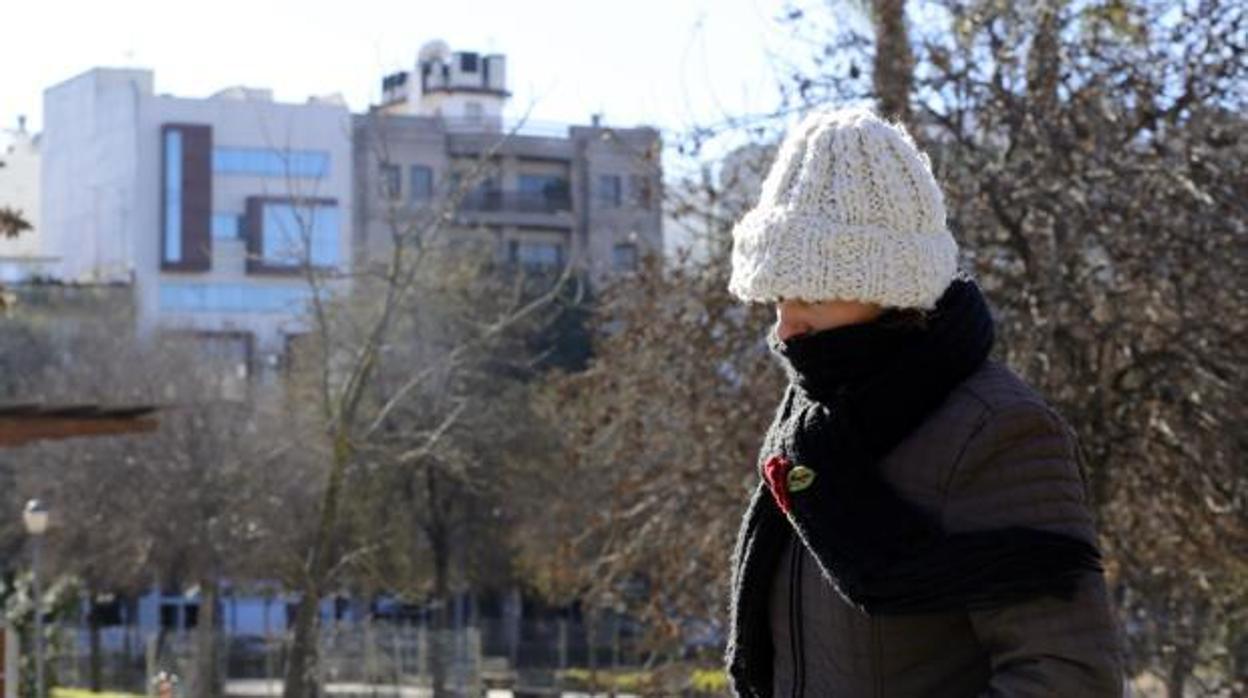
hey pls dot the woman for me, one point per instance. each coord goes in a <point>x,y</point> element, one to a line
<point>920,527</point>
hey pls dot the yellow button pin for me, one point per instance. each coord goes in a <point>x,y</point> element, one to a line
<point>800,478</point>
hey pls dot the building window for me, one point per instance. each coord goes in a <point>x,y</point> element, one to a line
<point>173,196</point>
<point>468,62</point>
<point>390,177</point>
<point>421,183</point>
<point>535,254</point>
<point>608,190</point>
<point>641,192</point>
<point>291,234</point>
<point>624,257</point>
<point>185,235</point>
<point>271,162</point>
<point>544,192</point>
<point>487,195</point>
<point>180,297</point>
<point>473,112</point>
<point>224,226</point>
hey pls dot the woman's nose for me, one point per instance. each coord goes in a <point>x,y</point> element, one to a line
<point>788,326</point>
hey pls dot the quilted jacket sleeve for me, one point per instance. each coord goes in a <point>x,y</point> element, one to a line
<point>1020,469</point>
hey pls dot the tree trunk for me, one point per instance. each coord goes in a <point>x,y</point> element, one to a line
<point>439,647</point>
<point>893,72</point>
<point>1044,61</point>
<point>207,679</point>
<point>590,619</point>
<point>1237,645</point>
<point>300,678</point>
<point>95,679</point>
<point>1180,669</point>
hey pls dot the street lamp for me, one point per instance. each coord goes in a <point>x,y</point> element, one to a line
<point>35,517</point>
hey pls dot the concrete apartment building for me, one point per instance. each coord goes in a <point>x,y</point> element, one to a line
<point>540,195</point>
<point>206,206</point>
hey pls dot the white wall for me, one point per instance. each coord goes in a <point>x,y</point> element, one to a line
<point>88,173</point>
<point>101,186</point>
<point>19,189</point>
<point>249,124</point>
<point>21,257</point>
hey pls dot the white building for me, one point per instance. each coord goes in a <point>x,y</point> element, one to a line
<point>208,206</point>
<point>464,89</point>
<point>21,257</point>
<point>589,195</point>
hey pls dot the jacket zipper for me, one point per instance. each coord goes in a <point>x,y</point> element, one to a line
<point>795,621</point>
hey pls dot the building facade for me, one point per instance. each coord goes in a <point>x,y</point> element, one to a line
<point>21,258</point>
<point>539,195</point>
<point>213,208</point>
<point>210,207</point>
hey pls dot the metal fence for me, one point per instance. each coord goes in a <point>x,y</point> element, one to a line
<point>374,654</point>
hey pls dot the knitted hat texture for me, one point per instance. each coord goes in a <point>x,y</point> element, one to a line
<point>849,211</point>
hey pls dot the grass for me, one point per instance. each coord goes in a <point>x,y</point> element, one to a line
<point>700,681</point>
<point>709,681</point>
<point>580,679</point>
<point>84,693</point>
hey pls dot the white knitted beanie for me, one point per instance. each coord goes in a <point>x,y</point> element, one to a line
<point>849,211</point>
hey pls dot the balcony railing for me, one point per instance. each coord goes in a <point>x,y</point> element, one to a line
<point>493,200</point>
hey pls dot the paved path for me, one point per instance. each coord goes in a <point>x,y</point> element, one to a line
<point>260,688</point>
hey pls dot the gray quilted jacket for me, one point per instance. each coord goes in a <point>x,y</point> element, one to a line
<point>993,455</point>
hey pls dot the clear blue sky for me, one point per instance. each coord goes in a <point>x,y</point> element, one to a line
<point>668,63</point>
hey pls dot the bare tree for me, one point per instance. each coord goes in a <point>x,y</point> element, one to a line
<point>1092,158</point>
<point>1091,155</point>
<point>652,442</point>
<point>169,508</point>
<point>893,73</point>
<point>360,395</point>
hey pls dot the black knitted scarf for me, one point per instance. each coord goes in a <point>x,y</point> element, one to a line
<point>855,392</point>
